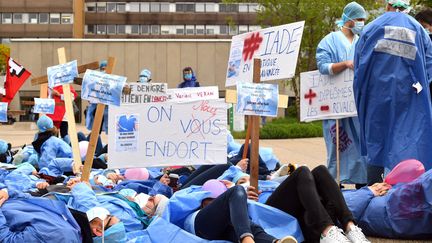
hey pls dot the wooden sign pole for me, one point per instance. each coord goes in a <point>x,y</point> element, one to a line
<point>70,117</point>
<point>255,130</point>
<point>246,143</point>
<point>97,123</point>
<point>337,153</point>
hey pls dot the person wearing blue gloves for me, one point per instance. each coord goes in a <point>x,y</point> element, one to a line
<point>334,55</point>
<point>189,79</point>
<point>393,69</point>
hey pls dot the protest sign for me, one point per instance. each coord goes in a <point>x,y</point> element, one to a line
<point>193,94</point>
<point>99,87</point>
<point>277,47</point>
<point>3,111</point>
<point>326,97</point>
<point>145,93</point>
<point>62,74</point>
<point>257,99</point>
<point>164,134</point>
<point>45,106</point>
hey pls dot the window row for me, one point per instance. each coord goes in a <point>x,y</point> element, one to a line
<point>36,18</point>
<point>136,7</point>
<point>169,29</point>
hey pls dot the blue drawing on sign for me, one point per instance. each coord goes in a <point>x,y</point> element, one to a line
<point>44,106</point>
<point>233,68</point>
<point>127,124</point>
<point>62,74</point>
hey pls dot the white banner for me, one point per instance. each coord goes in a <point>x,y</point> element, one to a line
<point>193,94</point>
<point>325,97</point>
<point>165,134</point>
<point>277,47</point>
<point>146,93</point>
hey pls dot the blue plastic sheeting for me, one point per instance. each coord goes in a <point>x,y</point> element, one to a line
<point>393,53</point>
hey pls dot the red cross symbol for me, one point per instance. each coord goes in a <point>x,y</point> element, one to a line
<point>310,96</point>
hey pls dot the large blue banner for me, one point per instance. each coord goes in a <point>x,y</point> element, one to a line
<point>99,87</point>
<point>62,74</point>
<point>257,99</point>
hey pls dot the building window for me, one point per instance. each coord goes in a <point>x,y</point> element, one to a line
<point>7,18</point>
<point>111,7</point>
<point>145,29</point>
<point>91,7</point>
<point>17,18</point>
<point>111,29</point>
<point>54,18</point>
<point>185,7</point>
<point>101,29</point>
<point>33,18</point>
<point>190,30</point>
<point>243,29</point>
<point>66,18</point>
<point>212,29</point>
<point>228,8</point>
<point>134,7</point>
<point>211,7</point>
<point>243,8</point>
<point>224,30</point>
<point>43,18</point>
<point>254,28</point>
<point>165,29</point>
<point>154,7</point>
<point>200,30</point>
<point>101,7</point>
<point>121,7</point>
<point>145,7</point>
<point>155,29</point>
<point>91,29</point>
<point>121,29</point>
<point>253,7</point>
<point>165,7</point>
<point>180,30</point>
<point>200,7</point>
<point>135,29</point>
<point>233,30</point>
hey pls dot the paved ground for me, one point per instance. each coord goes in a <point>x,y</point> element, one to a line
<point>310,151</point>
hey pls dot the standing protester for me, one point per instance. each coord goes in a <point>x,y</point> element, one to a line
<point>145,76</point>
<point>189,79</point>
<point>334,55</point>
<point>393,66</point>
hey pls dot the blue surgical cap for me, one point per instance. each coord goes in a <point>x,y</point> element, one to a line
<point>352,11</point>
<point>3,146</point>
<point>145,73</point>
<point>103,63</point>
<point>44,123</point>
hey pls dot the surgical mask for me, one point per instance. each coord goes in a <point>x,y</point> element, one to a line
<point>358,27</point>
<point>188,76</point>
<point>115,234</point>
<point>105,181</point>
<point>143,79</point>
<point>427,31</point>
<point>163,202</point>
<point>245,185</point>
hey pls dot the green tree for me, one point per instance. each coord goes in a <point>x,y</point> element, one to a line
<point>4,53</point>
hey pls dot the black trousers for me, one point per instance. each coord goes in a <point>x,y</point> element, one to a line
<point>314,198</point>
<point>205,173</point>
<point>64,129</point>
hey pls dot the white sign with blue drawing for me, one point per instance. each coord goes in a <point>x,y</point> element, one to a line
<point>99,87</point>
<point>62,74</point>
<point>3,111</point>
<point>257,99</point>
<point>45,106</point>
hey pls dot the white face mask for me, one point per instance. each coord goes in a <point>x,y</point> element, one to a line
<point>245,185</point>
<point>358,27</point>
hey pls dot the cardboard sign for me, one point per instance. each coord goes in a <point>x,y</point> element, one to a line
<point>45,106</point>
<point>277,47</point>
<point>257,99</point>
<point>326,96</point>
<point>3,111</point>
<point>193,94</point>
<point>62,74</point>
<point>99,87</point>
<point>146,93</point>
<point>164,134</point>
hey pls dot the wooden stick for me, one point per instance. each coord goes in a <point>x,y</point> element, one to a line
<point>337,153</point>
<point>246,143</point>
<point>70,117</point>
<point>255,120</point>
<point>95,129</point>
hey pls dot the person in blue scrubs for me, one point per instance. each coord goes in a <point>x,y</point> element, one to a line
<point>334,55</point>
<point>393,69</point>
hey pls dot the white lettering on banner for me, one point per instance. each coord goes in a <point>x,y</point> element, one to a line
<point>15,69</point>
<point>278,48</point>
<point>396,48</point>
<point>163,134</point>
<point>326,96</point>
<point>399,33</point>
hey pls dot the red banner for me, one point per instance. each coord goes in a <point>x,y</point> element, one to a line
<point>16,75</point>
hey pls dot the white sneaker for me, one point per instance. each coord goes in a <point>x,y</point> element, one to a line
<point>334,235</point>
<point>356,235</point>
<point>287,239</point>
<point>282,171</point>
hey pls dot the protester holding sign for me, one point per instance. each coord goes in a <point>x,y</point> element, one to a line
<point>393,68</point>
<point>334,55</point>
<point>189,79</point>
<point>59,117</point>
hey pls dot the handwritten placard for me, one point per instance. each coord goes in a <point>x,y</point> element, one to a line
<point>45,106</point>
<point>163,134</point>
<point>62,74</point>
<point>146,93</point>
<point>257,99</point>
<point>326,96</point>
<point>277,47</point>
<point>193,94</point>
<point>99,87</point>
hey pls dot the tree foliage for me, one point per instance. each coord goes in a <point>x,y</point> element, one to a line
<point>4,53</point>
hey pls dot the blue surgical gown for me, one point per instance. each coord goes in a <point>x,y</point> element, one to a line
<point>335,48</point>
<point>393,53</point>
